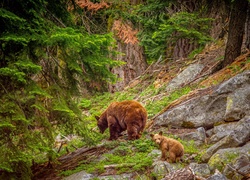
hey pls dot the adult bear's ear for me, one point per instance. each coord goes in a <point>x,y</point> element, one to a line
<point>160,133</point>
<point>97,118</point>
<point>152,135</point>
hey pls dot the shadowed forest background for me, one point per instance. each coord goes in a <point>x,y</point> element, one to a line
<point>59,56</point>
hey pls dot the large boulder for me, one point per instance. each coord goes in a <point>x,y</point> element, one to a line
<point>217,176</point>
<point>220,131</point>
<point>227,155</point>
<point>202,111</point>
<point>229,101</point>
<point>238,137</point>
<point>186,76</point>
<point>198,136</point>
<point>239,168</point>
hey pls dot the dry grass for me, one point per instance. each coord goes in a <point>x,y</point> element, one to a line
<point>240,64</point>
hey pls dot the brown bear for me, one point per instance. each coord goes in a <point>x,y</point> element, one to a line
<point>174,148</point>
<point>120,116</point>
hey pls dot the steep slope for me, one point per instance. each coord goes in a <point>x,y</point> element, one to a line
<point>211,119</point>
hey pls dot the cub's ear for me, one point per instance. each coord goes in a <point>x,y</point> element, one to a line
<point>160,133</point>
<point>97,118</point>
<point>151,135</point>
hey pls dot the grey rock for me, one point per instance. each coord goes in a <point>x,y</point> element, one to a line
<point>186,76</point>
<point>162,167</point>
<point>239,136</point>
<point>217,176</point>
<point>238,104</point>
<point>229,101</point>
<point>238,81</point>
<point>239,168</point>
<point>199,136</point>
<point>82,175</point>
<point>224,156</point>
<point>197,112</point>
<point>200,169</point>
<point>220,131</point>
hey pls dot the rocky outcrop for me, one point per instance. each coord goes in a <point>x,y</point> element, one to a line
<point>224,156</point>
<point>222,119</point>
<point>186,76</point>
<point>218,119</point>
<point>239,168</point>
<point>229,101</point>
<point>198,136</point>
<point>238,137</point>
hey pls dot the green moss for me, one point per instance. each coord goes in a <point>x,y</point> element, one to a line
<point>215,162</point>
<point>219,161</point>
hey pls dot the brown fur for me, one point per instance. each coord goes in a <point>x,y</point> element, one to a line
<point>120,116</point>
<point>174,148</point>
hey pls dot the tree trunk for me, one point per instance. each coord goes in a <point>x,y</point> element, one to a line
<point>133,56</point>
<point>236,31</point>
<point>183,48</point>
<point>247,43</point>
<point>219,10</point>
<point>131,53</point>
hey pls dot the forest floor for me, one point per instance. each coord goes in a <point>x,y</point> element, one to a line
<point>163,73</point>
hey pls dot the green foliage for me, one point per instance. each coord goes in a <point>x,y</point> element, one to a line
<point>181,25</point>
<point>195,52</point>
<point>44,59</point>
<point>150,15</point>
<point>218,161</point>
<point>158,28</point>
<point>154,107</point>
<point>127,156</point>
<point>85,103</point>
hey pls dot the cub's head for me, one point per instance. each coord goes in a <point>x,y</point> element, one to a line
<point>157,138</point>
<point>101,123</point>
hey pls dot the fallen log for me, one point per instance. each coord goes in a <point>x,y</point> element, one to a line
<point>66,162</point>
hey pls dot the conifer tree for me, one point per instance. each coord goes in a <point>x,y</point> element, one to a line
<point>44,58</point>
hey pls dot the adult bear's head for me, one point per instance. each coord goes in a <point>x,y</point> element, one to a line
<point>102,122</point>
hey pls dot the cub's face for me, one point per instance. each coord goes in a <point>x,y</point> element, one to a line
<point>157,138</point>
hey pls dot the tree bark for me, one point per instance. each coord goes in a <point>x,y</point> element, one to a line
<point>133,56</point>
<point>236,31</point>
<point>247,43</point>
<point>219,10</point>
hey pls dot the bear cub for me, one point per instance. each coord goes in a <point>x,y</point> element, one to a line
<point>174,148</point>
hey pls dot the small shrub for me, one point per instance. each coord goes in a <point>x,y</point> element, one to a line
<point>85,103</point>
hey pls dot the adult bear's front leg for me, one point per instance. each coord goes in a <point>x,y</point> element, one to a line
<point>113,128</point>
